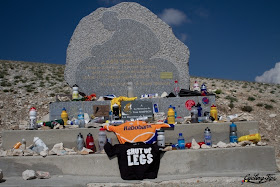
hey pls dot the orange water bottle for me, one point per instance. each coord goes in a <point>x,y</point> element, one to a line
<point>214,112</point>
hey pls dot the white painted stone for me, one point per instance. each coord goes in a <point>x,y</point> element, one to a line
<point>28,174</point>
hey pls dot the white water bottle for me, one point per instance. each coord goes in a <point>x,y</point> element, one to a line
<point>33,118</point>
<point>102,138</point>
<point>75,94</point>
<point>161,138</point>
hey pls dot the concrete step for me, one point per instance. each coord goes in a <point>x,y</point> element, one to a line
<point>220,132</point>
<point>203,162</point>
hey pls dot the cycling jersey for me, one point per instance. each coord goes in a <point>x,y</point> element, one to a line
<point>136,131</point>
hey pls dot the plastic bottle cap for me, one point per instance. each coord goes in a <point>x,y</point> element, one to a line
<point>207,129</point>
<point>33,108</point>
<point>180,134</point>
<point>213,105</point>
<point>102,129</point>
<point>64,109</point>
<point>176,81</point>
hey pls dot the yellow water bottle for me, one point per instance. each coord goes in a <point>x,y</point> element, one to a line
<point>170,115</point>
<point>64,116</point>
<point>214,112</point>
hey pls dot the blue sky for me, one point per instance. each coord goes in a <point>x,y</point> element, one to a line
<point>228,39</point>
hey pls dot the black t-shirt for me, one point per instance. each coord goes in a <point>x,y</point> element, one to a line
<point>137,161</point>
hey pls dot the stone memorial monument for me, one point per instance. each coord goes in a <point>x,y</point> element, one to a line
<point>125,43</point>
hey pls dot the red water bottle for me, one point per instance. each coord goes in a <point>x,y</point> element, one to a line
<point>90,142</point>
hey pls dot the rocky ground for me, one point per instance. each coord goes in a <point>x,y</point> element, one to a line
<point>25,84</point>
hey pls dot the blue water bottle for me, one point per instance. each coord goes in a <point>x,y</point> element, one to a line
<point>207,137</point>
<point>232,133</point>
<point>181,141</point>
<point>199,109</point>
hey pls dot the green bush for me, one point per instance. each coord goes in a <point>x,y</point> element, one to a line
<point>273,101</point>
<point>52,94</point>
<point>259,104</point>
<point>268,107</point>
<point>231,105</point>
<point>251,99</point>
<point>232,99</point>
<point>247,108</point>
<point>272,92</point>
<point>17,77</point>
<point>218,91</point>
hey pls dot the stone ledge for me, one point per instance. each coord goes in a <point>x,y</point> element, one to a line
<point>203,162</point>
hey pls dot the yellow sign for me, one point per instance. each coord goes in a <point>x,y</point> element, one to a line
<point>166,75</point>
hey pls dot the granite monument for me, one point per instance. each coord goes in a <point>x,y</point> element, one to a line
<point>125,43</point>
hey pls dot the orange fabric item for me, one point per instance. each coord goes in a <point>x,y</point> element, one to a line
<point>136,131</point>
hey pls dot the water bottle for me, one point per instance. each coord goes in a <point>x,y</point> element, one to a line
<point>130,89</point>
<point>80,142</point>
<point>176,88</point>
<point>214,112</point>
<point>194,117</point>
<point>199,110</point>
<point>207,137</point>
<point>161,138</point>
<point>75,94</point>
<point>90,142</point>
<point>170,115</point>
<point>203,89</point>
<point>64,116</point>
<point>23,143</point>
<point>81,118</point>
<point>181,141</point>
<point>102,138</point>
<point>39,145</point>
<point>196,86</point>
<point>110,116</point>
<point>232,133</point>
<point>116,111</point>
<point>32,117</point>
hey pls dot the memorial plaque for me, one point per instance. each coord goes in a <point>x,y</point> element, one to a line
<point>125,43</point>
<point>136,109</point>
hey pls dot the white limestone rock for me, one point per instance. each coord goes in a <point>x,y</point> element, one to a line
<point>43,175</point>
<point>244,143</point>
<point>86,117</point>
<point>272,115</point>
<point>28,174</point>
<point>44,153</point>
<point>203,146</point>
<point>28,152</point>
<point>164,94</point>
<point>1,174</point>
<point>195,145</point>
<point>260,143</point>
<point>17,152</point>
<point>3,153</point>
<point>222,144</point>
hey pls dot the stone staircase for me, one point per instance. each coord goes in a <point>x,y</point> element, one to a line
<point>236,161</point>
